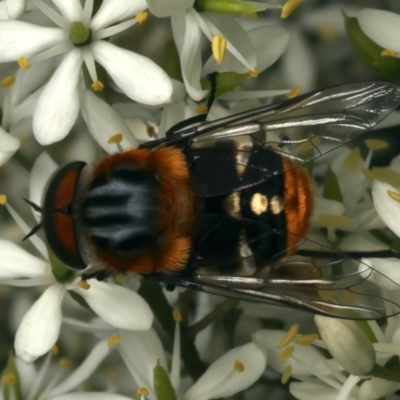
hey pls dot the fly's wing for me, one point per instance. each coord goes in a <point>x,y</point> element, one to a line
<point>328,283</point>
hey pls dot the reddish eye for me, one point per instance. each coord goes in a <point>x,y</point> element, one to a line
<point>58,215</point>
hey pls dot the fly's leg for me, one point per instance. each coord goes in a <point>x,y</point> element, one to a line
<point>100,275</point>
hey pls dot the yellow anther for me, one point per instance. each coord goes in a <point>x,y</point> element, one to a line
<point>83,285</point>
<point>333,220</point>
<point>368,174</point>
<point>150,131</point>
<point>290,335</point>
<point>287,372</point>
<point>393,195</point>
<point>142,391</point>
<point>177,316</point>
<point>238,366</point>
<point>65,363</point>
<point>374,144</point>
<point>201,109</point>
<point>305,340</point>
<point>23,63</point>
<point>254,72</point>
<point>54,350</point>
<point>387,175</point>
<point>97,86</point>
<point>253,16</point>
<point>218,46</point>
<point>114,139</point>
<point>388,53</point>
<point>327,32</point>
<point>8,81</point>
<point>113,340</point>
<point>289,7</point>
<point>293,92</point>
<point>326,295</point>
<point>141,17</point>
<point>3,199</point>
<point>112,376</point>
<point>9,379</point>
<point>286,353</point>
<point>353,161</point>
<point>120,278</point>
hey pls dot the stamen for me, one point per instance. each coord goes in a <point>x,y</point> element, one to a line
<point>368,174</point>
<point>393,195</point>
<point>287,372</point>
<point>238,366</point>
<point>150,131</point>
<point>9,379</point>
<point>112,377</point>
<point>119,278</point>
<point>290,335</point>
<point>142,391</point>
<point>305,340</point>
<point>293,92</point>
<point>65,363</point>
<point>114,139</point>
<point>254,72</point>
<point>3,199</point>
<point>327,32</point>
<point>289,7</point>
<point>113,340</point>
<point>54,350</point>
<point>141,17</point>
<point>8,82</point>
<point>388,53</point>
<point>333,219</point>
<point>374,144</point>
<point>286,354</point>
<point>23,63</point>
<point>83,284</point>
<point>97,86</point>
<point>201,109</point>
<point>218,46</point>
<point>177,316</point>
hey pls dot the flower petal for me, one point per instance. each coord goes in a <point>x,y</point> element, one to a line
<point>383,27</point>
<point>71,10</point>
<point>40,327</point>
<point>12,9</point>
<point>103,122</point>
<point>112,11</point>
<point>377,388</point>
<point>8,146</point>
<point>387,208</point>
<point>137,76</point>
<point>166,8</point>
<point>21,39</point>
<point>105,298</point>
<point>221,380</point>
<point>15,262</point>
<point>91,396</point>
<point>58,105</point>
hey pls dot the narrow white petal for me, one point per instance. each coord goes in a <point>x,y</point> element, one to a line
<point>166,8</point>
<point>71,10</point>
<point>42,169</point>
<point>21,39</point>
<point>13,8</point>
<point>377,388</point>
<point>137,76</point>
<point>387,208</point>
<point>105,298</point>
<point>103,122</point>
<point>140,351</point>
<point>208,386</point>
<point>41,325</point>
<point>91,396</point>
<point>58,105</point>
<point>16,262</point>
<point>112,11</point>
<point>8,146</point>
<point>383,27</point>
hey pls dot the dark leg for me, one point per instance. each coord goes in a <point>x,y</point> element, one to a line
<point>100,275</point>
<point>353,254</point>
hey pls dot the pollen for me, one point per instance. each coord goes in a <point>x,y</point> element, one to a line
<point>289,7</point>
<point>201,109</point>
<point>113,340</point>
<point>54,350</point>
<point>23,63</point>
<point>286,354</point>
<point>238,366</point>
<point>374,144</point>
<point>286,374</point>
<point>388,53</point>
<point>293,92</point>
<point>114,139</point>
<point>142,391</point>
<point>3,199</point>
<point>65,363</point>
<point>142,17</point>
<point>290,335</point>
<point>218,46</point>
<point>8,82</point>
<point>177,316</point>
<point>83,285</point>
<point>9,379</point>
<point>393,195</point>
<point>254,72</point>
<point>305,340</point>
<point>97,86</point>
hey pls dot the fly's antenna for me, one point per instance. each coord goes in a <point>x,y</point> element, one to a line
<point>36,227</point>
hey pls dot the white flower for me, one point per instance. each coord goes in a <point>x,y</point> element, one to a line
<point>80,38</point>
<point>12,9</point>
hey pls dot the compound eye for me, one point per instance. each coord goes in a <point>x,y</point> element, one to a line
<point>57,215</point>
